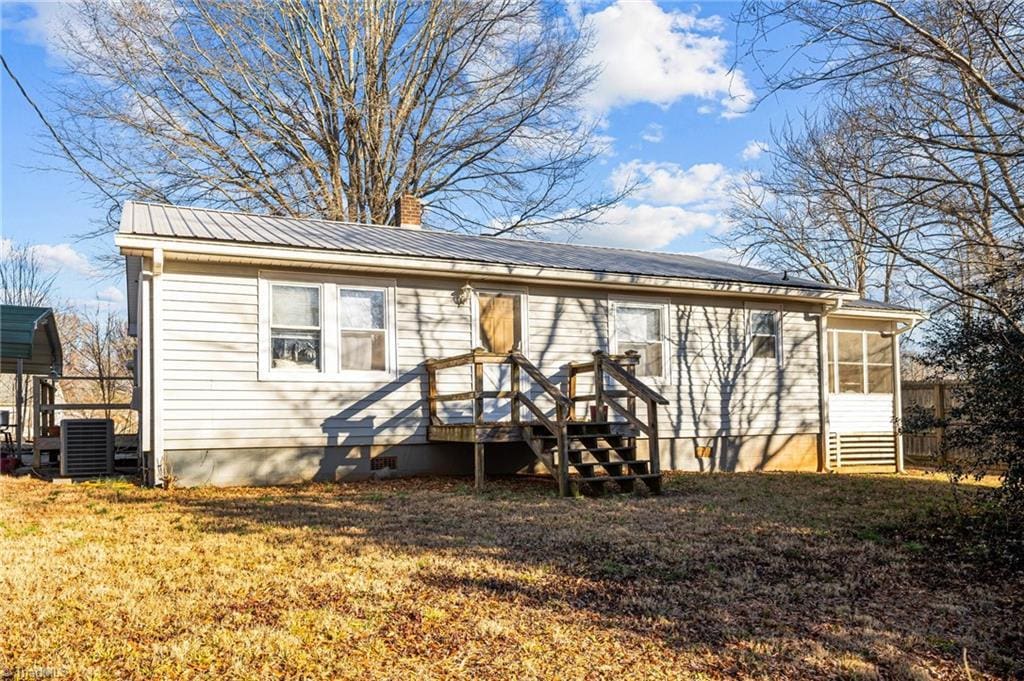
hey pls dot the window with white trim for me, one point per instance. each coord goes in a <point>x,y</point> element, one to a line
<point>322,328</point>
<point>859,362</point>
<point>764,334</point>
<point>640,327</point>
<point>362,323</point>
<point>295,341</point>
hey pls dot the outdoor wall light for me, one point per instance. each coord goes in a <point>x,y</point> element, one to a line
<point>463,295</point>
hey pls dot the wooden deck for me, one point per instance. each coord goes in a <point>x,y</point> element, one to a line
<point>579,453</point>
<point>498,431</point>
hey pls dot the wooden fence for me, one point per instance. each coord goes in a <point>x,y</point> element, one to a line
<point>931,398</point>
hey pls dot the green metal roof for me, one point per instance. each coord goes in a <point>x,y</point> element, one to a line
<point>29,334</point>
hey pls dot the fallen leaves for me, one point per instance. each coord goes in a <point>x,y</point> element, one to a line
<point>725,576</point>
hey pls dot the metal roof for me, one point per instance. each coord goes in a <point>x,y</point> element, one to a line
<point>866,304</point>
<point>161,220</point>
<point>29,334</point>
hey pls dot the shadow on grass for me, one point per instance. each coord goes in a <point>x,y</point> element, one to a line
<point>764,565</point>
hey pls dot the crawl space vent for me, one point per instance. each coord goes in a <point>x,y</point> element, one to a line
<point>384,463</point>
<point>87,447</point>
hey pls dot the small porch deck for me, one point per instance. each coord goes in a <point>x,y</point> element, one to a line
<point>582,454</point>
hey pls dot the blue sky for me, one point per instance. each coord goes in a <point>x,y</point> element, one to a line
<point>674,117</point>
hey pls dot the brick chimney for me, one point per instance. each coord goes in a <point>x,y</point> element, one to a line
<point>408,212</point>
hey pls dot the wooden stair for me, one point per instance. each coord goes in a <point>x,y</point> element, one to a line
<point>601,456</point>
<point>583,456</point>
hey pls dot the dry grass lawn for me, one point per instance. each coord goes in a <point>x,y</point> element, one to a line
<point>725,576</point>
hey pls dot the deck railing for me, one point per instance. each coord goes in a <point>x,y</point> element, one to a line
<point>622,370</point>
<point>518,364</point>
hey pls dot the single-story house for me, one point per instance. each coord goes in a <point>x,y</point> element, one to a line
<point>275,349</point>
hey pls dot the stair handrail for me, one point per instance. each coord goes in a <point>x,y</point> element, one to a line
<point>478,357</point>
<point>631,382</point>
<point>622,369</point>
<point>540,379</point>
<point>519,363</point>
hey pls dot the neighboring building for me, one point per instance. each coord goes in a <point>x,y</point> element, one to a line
<point>274,350</point>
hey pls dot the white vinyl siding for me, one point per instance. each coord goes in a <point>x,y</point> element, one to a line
<point>859,413</point>
<point>214,396</point>
<point>717,390</point>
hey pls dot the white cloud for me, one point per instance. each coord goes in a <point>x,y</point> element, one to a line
<point>111,294</point>
<point>648,54</point>
<point>669,202</point>
<point>754,150</point>
<point>40,23</point>
<point>704,186</point>
<point>53,257</point>
<point>62,256</point>
<point>653,133</point>
<point>645,226</point>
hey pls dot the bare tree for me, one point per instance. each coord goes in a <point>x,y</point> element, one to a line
<point>808,214</point>
<point>336,108</point>
<point>96,345</point>
<point>23,279</point>
<point>937,93</point>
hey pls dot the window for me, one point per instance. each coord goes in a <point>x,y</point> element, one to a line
<point>323,328</point>
<point>639,328</point>
<point>362,323</point>
<point>879,363</point>
<point>860,362</point>
<point>764,334</point>
<point>295,327</point>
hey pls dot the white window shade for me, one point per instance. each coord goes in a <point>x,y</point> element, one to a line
<point>295,340</point>
<point>295,306</point>
<point>362,309</point>
<point>362,321</point>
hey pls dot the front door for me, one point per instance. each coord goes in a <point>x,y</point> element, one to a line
<point>499,328</point>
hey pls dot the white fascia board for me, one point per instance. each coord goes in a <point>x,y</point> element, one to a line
<point>909,316</point>
<point>195,249</point>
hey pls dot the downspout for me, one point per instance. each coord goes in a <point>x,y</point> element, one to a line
<point>156,384</point>
<point>142,378</point>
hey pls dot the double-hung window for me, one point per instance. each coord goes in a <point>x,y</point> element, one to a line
<point>860,362</point>
<point>295,327</point>
<point>640,327</point>
<point>764,334</point>
<point>315,328</point>
<point>362,322</point>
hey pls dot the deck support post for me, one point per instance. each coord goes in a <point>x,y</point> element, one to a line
<point>478,466</point>
<point>598,384</point>
<point>515,389</point>
<point>478,418</point>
